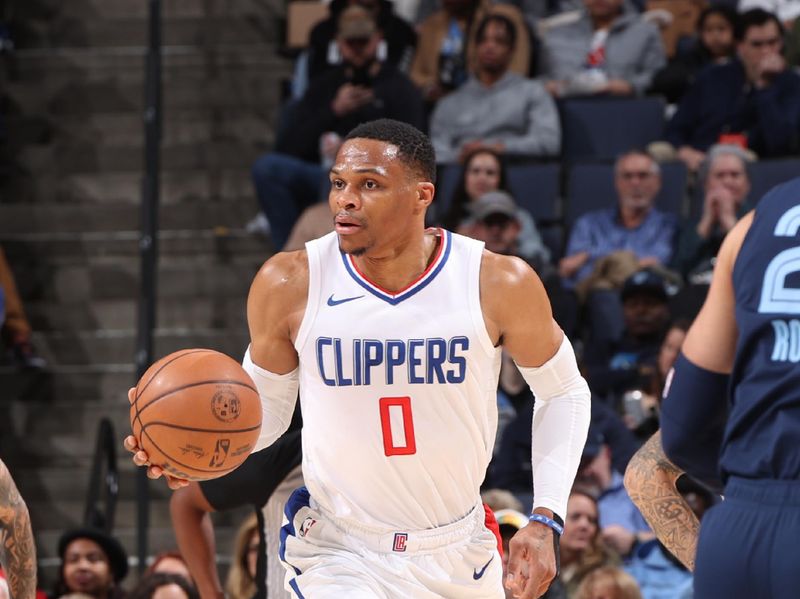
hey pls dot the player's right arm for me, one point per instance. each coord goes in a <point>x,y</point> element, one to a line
<point>194,532</point>
<point>275,308</point>
<point>17,549</point>
<point>650,481</point>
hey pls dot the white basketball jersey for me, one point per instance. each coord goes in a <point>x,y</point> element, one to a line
<point>398,390</point>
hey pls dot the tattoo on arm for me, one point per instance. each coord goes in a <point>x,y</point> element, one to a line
<point>650,480</point>
<point>17,548</point>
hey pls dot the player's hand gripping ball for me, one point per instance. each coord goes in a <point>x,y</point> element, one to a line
<point>196,413</point>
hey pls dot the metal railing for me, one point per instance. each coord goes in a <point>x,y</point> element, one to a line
<point>148,247</point>
<point>101,498</point>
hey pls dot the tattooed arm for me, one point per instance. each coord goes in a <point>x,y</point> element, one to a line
<point>17,549</point>
<point>650,481</point>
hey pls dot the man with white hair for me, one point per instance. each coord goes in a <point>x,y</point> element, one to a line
<point>725,188</point>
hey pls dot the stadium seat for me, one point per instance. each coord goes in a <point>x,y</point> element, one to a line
<point>590,186</point>
<point>534,187</point>
<point>603,128</point>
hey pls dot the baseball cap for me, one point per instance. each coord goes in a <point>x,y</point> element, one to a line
<point>355,22</point>
<point>117,558</point>
<point>509,517</point>
<point>645,281</point>
<point>494,202</point>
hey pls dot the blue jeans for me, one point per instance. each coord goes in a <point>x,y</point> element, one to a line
<point>286,186</point>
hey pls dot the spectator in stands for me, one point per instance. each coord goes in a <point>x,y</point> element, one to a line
<point>753,100</point>
<point>169,562</point>
<point>360,89</point>
<point>163,585</point>
<point>93,563</point>
<point>396,46</point>
<point>608,583</point>
<point>496,220</point>
<point>582,548</point>
<point>786,10</point>
<point>16,330</point>
<point>617,366</point>
<point>496,108</point>
<point>725,187</point>
<point>634,224</point>
<point>484,170</point>
<point>714,44</point>
<point>621,523</point>
<point>241,583</point>
<point>447,48</point>
<point>607,50</point>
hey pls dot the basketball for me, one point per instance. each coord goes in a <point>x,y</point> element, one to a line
<point>196,413</point>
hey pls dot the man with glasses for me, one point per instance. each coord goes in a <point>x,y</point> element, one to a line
<point>633,224</point>
<point>752,101</point>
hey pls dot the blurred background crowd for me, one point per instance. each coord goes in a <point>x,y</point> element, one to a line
<point>611,144</point>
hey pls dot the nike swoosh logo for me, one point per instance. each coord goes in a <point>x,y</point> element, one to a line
<point>335,302</point>
<point>476,574</point>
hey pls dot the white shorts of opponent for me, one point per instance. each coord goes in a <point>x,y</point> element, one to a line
<point>326,558</point>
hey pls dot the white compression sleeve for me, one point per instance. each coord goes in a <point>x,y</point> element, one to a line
<point>561,418</point>
<point>278,394</point>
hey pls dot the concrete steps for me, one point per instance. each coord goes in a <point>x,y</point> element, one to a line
<point>69,219</point>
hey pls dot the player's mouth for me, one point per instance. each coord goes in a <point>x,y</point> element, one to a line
<point>347,225</point>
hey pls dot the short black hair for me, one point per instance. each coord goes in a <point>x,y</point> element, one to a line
<point>415,149</point>
<point>726,12</point>
<point>755,18</point>
<point>503,20</point>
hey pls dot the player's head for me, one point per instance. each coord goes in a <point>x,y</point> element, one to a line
<point>381,186</point>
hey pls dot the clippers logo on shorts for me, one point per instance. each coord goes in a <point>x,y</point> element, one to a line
<point>306,526</point>
<point>400,539</point>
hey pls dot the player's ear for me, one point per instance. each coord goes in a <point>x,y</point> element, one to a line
<point>425,191</point>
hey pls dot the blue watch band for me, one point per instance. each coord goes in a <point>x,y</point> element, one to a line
<point>558,528</point>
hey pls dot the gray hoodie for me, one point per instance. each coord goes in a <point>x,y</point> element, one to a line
<point>634,51</point>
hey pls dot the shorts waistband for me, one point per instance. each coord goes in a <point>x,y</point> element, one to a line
<point>763,491</point>
<point>410,541</point>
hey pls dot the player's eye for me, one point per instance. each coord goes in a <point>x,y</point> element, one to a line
<point>370,184</point>
<point>337,184</point>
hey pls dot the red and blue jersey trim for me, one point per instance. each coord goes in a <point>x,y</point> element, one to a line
<point>417,285</point>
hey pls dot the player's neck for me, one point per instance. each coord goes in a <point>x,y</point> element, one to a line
<point>396,267</point>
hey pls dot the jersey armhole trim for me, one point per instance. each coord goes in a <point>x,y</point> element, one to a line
<point>475,263</point>
<point>314,287</point>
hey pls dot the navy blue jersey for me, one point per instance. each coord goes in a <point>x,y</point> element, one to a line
<point>763,431</point>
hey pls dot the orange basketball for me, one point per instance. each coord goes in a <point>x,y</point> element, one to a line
<point>196,413</point>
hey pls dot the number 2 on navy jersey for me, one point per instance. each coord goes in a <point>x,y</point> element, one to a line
<point>397,425</point>
<point>775,296</point>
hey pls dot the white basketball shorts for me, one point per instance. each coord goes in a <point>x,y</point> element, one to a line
<point>327,558</point>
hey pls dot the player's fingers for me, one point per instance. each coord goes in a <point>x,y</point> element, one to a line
<point>515,579</point>
<point>130,443</point>
<point>140,458</point>
<point>131,394</point>
<point>176,483</point>
<point>154,472</point>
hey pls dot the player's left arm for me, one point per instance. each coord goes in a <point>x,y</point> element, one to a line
<point>694,409</point>
<point>518,315</point>
<point>650,481</point>
<point>17,548</point>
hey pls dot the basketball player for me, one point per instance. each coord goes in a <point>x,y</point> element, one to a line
<point>393,334</point>
<point>733,406</point>
<point>265,480</point>
<point>17,549</point>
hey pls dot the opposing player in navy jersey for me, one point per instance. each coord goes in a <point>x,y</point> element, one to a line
<point>393,334</point>
<point>732,408</point>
